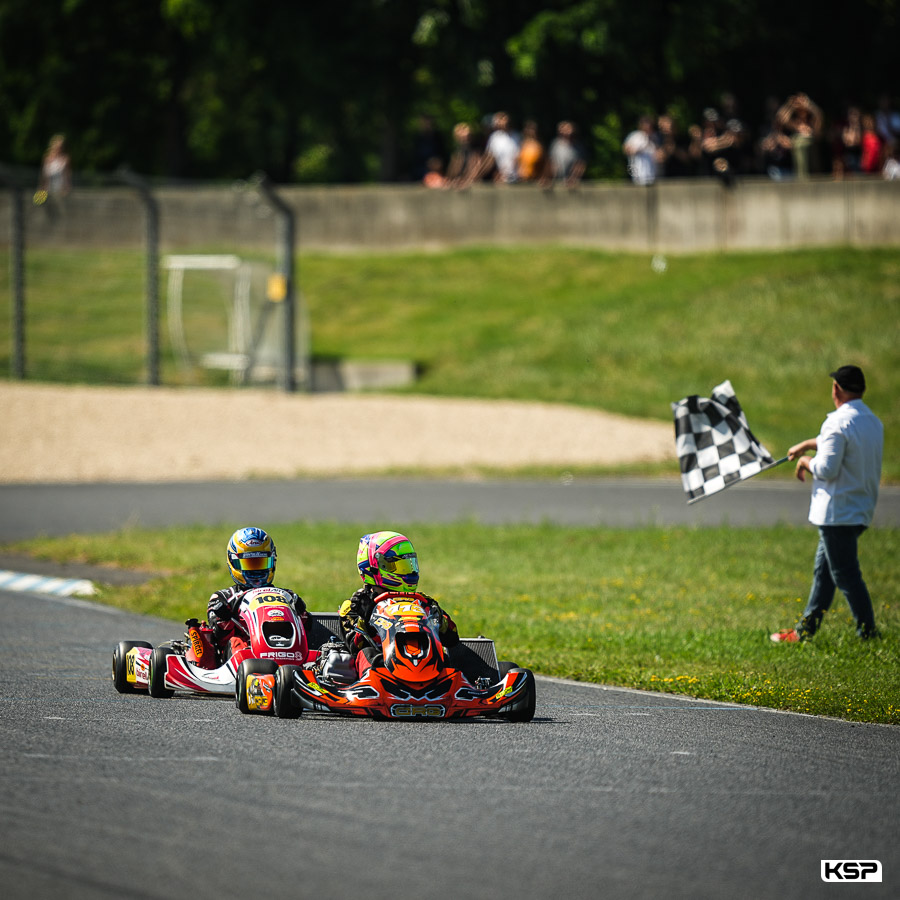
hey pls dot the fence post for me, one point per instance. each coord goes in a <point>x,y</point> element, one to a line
<point>151,217</point>
<point>17,281</point>
<point>285,264</point>
<point>16,269</point>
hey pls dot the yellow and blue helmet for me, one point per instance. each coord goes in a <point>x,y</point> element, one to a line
<point>388,560</point>
<point>251,557</point>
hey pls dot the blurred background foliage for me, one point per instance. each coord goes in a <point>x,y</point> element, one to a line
<point>334,92</point>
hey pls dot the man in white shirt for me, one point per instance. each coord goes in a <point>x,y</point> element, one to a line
<point>502,151</point>
<point>846,472</point>
<point>641,150</point>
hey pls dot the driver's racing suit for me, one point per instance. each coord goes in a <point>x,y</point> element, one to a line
<point>222,608</point>
<point>357,610</point>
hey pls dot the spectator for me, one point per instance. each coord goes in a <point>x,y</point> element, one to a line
<point>721,145</point>
<point>887,121</point>
<point>465,161</point>
<point>870,160</point>
<point>640,148</point>
<point>56,172</point>
<point>501,152</point>
<point>774,145</point>
<point>566,161</point>
<point>891,170</point>
<point>801,120</point>
<point>427,144</point>
<point>434,178</point>
<point>695,148</point>
<point>738,149</point>
<point>531,153</point>
<point>847,144</point>
<point>674,158</point>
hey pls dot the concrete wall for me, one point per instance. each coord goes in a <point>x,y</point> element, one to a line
<point>673,217</point>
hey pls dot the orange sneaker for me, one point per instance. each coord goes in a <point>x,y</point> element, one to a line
<point>789,636</point>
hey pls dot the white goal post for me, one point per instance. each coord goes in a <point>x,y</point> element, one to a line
<point>251,350</point>
<point>239,329</point>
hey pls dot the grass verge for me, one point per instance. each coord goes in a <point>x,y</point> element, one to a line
<point>675,610</point>
<point>553,324</point>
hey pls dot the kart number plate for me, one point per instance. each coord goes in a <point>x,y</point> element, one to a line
<point>408,711</point>
<point>260,690</point>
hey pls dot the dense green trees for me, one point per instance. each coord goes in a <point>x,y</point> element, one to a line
<point>333,91</point>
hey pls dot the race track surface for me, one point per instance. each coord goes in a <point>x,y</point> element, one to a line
<point>607,793</point>
<point>53,509</point>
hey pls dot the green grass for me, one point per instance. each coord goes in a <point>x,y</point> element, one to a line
<point>676,610</point>
<point>662,609</point>
<point>565,325</point>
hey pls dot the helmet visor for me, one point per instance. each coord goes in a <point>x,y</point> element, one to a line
<point>408,564</point>
<point>253,562</point>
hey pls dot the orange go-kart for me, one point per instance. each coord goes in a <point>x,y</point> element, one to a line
<point>417,677</point>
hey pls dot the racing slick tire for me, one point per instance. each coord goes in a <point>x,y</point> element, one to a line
<point>120,665</point>
<point>245,669</point>
<point>285,708</point>
<point>505,666</point>
<point>525,712</point>
<point>157,686</point>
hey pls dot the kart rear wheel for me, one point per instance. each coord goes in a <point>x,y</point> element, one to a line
<point>158,673</point>
<point>120,665</point>
<point>285,708</point>
<point>245,669</point>
<point>525,713</point>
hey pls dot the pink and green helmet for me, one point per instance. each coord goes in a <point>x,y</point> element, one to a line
<point>388,560</point>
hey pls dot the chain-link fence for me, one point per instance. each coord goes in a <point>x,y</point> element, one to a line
<point>121,281</point>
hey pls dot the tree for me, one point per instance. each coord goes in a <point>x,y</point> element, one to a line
<point>332,92</point>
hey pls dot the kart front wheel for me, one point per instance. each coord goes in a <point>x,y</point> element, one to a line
<point>120,665</point>
<point>525,706</point>
<point>247,668</point>
<point>157,686</point>
<point>285,708</point>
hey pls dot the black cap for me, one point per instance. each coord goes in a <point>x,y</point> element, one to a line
<point>850,379</point>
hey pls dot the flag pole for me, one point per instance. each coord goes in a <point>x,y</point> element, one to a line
<point>777,462</point>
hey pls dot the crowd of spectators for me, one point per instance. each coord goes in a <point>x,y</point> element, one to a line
<point>794,140</point>
<point>499,154</point>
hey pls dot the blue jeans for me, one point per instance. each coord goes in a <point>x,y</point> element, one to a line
<point>837,566</point>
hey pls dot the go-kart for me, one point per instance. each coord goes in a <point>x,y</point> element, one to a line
<point>266,620</point>
<point>416,677</point>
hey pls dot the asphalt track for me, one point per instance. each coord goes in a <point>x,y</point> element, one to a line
<point>607,793</point>
<point>56,509</point>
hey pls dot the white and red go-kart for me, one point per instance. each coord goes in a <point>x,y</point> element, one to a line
<point>267,621</point>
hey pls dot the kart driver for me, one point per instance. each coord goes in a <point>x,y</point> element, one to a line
<point>251,560</point>
<point>387,562</point>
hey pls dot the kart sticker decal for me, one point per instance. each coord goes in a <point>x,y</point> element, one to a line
<point>260,691</point>
<point>196,643</point>
<point>409,692</point>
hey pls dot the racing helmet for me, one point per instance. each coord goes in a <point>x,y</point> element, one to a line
<point>388,560</point>
<point>251,558</point>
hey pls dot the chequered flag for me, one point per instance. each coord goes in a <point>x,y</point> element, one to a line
<point>714,444</point>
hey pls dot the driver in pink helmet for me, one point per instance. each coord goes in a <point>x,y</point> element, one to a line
<point>386,561</point>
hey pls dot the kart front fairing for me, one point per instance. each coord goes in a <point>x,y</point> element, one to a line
<point>378,694</point>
